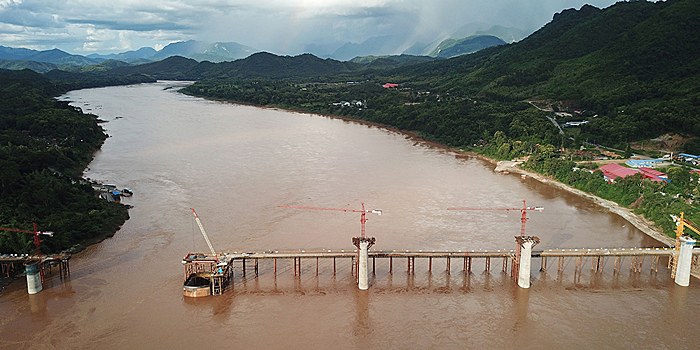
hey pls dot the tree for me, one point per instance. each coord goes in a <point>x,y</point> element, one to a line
<point>679,177</point>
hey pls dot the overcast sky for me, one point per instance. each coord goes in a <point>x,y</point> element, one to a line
<point>278,26</point>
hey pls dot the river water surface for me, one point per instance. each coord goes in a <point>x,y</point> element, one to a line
<point>236,164</point>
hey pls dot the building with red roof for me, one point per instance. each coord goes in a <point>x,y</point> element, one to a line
<point>614,170</point>
<point>390,85</point>
<point>653,172</point>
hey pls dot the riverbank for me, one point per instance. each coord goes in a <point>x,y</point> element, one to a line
<point>52,142</point>
<point>637,221</point>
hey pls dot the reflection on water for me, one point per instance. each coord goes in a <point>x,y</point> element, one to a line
<point>236,164</point>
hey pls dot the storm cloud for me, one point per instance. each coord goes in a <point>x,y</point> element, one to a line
<point>283,27</point>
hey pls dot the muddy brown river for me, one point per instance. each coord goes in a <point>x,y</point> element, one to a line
<point>236,164</point>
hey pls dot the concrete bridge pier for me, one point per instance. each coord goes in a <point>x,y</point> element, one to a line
<point>363,245</point>
<point>33,270</point>
<point>526,244</point>
<point>685,260</point>
<point>362,272</point>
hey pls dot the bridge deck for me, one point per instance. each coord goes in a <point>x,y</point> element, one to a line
<point>448,254</point>
<point>219,267</point>
<point>21,258</point>
<point>443,254</point>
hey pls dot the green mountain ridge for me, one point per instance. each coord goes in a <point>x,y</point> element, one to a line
<point>39,67</point>
<point>261,65</point>
<point>638,57</point>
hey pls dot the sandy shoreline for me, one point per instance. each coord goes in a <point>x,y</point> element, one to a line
<point>639,222</point>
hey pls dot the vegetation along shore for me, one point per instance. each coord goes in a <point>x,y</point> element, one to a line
<point>626,77</point>
<point>44,147</point>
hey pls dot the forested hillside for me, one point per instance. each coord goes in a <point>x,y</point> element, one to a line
<point>44,147</point>
<point>631,70</point>
<point>635,64</point>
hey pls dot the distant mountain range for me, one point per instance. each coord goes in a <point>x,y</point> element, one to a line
<point>54,56</point>
<point>260,65</point>
<point>144,52</point>
<point>44,61</point>
<point>470,38</point>
<point>471,30</point>
<point>463,38</point>
<point>201,51</point>
<point>377,46</point>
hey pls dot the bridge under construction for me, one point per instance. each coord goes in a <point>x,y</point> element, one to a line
<point>211,273</point>
<point>36,267</point>
<point>219,268</point>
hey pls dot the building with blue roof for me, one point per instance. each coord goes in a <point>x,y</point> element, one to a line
<point>647,163</point>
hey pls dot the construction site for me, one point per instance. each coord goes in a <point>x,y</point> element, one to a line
<point>35,266</point>
<point>212,273</point>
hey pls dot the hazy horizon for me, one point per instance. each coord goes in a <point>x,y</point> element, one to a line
<point>281,27</point>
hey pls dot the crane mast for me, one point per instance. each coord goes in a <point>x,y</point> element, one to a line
<point>681,224</point>
<point>206,238</point>
<point>523,220</point>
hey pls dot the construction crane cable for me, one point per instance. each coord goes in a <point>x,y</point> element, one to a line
<point>201,228</point>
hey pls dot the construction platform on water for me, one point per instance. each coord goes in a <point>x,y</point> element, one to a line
<point>210,274</point>
<point>35,267</point>
<point>12,263</point>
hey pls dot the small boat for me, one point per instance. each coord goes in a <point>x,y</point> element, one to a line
<point>127,192</point>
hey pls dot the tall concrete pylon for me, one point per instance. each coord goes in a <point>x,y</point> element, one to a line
<point>363,244</point>
<point>525,244</point>
<point>362,273</point>
<point>685,260</point>
<point>33,270</point>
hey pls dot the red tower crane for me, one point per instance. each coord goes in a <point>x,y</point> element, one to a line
<point>363,219</point>
<point>362,243</point>
<point>523,211</point>
<point>523,220</point>
<point>36,234</point>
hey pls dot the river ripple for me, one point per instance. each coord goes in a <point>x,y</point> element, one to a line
<point>235,164</point>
